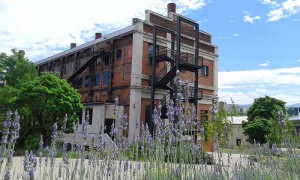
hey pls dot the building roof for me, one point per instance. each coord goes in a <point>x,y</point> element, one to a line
<point>112,35</point>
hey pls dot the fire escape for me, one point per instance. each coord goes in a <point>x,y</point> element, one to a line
<point>174,60</point>
<point>104,53</point>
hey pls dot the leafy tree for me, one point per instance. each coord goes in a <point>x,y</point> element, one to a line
<point>15,69</point>
<point>220,125</point>
<point>44,101</point>
<point>261,116</point>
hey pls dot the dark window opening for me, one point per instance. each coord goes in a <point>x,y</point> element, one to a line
<point>79,82</point>
<point>98,61</point>
<point>238,142</point>
<point>79,115</point>
<point>89,111</point>
<point>204,115</point>
<point>150,52</point>
<point>204,71</point>
<point>65,69</point>
<point>108,123</point>
<point>147,115</point>
<point>119,54</point>
<point>87,81</point>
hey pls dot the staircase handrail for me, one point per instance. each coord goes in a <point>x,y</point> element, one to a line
<point>163,71</point>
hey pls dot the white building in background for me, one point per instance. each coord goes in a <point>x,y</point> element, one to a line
<point>238,136</point>
<point>296,122</point>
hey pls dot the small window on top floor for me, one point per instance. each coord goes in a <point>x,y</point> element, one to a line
<point>119,54</point>
<point>204,71</point>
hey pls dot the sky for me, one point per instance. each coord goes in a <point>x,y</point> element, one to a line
<point>258,40</point>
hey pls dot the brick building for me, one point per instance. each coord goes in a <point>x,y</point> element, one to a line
<point>120,65</point>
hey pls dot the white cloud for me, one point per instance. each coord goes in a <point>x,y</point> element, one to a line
<point>261,90</point>
<point>298,60</point>
<point>236,35</point>
<point>245,86</point>
<point>269,2</point>
<point>285,9</point>
<point>265,64</point>
<point>49,26</point>
<point>249,19</point>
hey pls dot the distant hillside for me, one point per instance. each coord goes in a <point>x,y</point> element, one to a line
<point>245,105</point>
<point>297,105</point>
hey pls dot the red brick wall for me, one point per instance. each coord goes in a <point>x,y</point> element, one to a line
<point>207,80</point>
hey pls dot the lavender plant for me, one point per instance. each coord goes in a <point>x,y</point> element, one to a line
<point>171,153</point>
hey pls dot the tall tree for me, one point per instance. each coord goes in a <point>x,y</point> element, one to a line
<point>261,116</point>
<point>45,101</point>
<point>15,69</point>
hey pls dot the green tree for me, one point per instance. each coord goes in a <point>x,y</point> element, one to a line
<point>44,101</point>
<point>261,118</point>
<point>220,125</point>
<point>15,69</point>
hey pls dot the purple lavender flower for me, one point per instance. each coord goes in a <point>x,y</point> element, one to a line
<point>177,78</point>
<point>54,131</point>
<point>85,127</point>
<point>16,126</point>
<point>281,118</point>
<point>64,128</point>
<point>295,131</point>
<point>29,164</point>
<point>93,139</point>
<point>6,126</point>
<point>6,174</point>
<point>124,124</point>
<point>201,130</point>
<point>116,105</point>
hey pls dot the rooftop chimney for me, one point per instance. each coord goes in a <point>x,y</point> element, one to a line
<point>98,35</point>
<point>72,45</point>
<point>171,8</point>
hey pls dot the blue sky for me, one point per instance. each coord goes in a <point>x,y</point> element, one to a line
<point>258,40</point>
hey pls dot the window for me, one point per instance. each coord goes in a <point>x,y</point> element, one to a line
<point>119,54</point>
<point>89,112</point>
<point>105,78</point>
<point>79,115</point>
<point>65,69</point>
<point>150,51</point>
<point>238,142</point>
<point>79,82</point>
<point>96,79</point>
<point>204,71</point>
<point>87,81</point>
<point>98,61</point>
<point>204,115</point>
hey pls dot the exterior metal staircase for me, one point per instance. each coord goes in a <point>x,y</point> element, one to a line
<point>101,53</point>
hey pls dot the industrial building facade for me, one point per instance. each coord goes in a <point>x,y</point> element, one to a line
<point>120,65</point>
